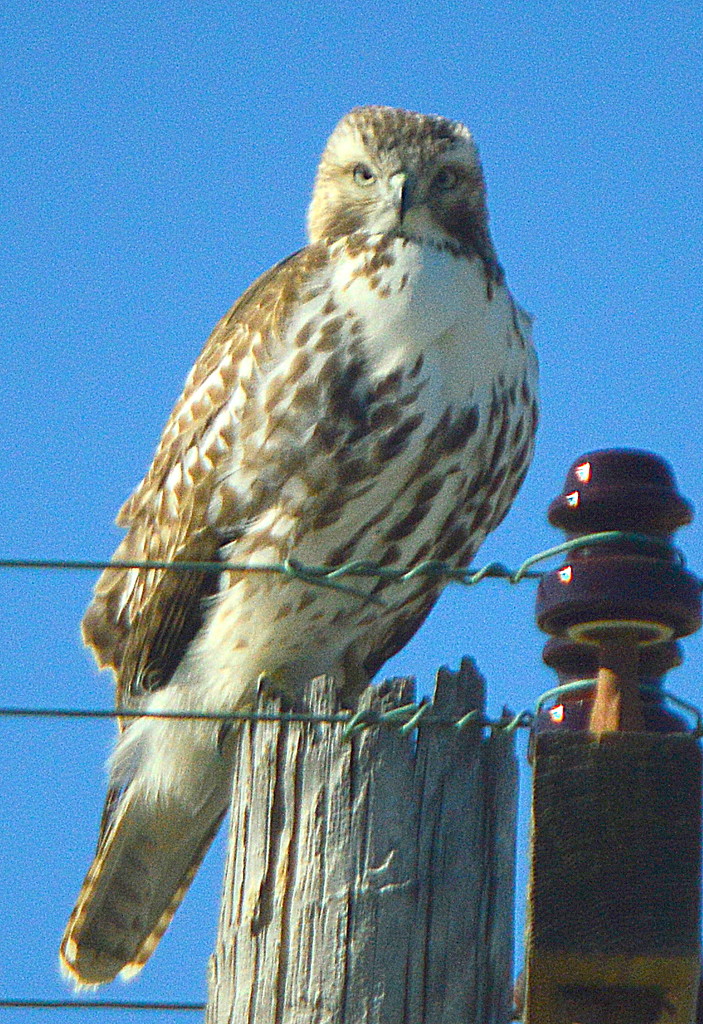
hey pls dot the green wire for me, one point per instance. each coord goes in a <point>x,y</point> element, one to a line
<point>405,718</point>
<point>323,576</point>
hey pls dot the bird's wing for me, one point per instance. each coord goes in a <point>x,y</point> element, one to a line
<point>140,621</point>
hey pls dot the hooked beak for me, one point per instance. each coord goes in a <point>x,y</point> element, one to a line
<point>403,191</point>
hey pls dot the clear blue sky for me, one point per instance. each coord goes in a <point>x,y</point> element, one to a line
<point>156,158</point>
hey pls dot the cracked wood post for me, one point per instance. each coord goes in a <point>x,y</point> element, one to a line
<point>369,882</point>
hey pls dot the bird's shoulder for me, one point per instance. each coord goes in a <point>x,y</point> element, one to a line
<point>250,329</point>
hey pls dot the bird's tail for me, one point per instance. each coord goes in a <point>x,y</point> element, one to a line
<point>147,856</point>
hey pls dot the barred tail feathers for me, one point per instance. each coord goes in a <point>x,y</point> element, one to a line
<point>145,863</point>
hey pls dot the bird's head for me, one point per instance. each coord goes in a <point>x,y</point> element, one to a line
<point>387,171</point>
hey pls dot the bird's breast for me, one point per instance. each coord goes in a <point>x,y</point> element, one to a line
<point>415,300</point>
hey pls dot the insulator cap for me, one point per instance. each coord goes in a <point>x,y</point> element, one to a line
<point>570,660</point>
<point>591,597</point>
<point>573,661</point>
<point>620,489</point>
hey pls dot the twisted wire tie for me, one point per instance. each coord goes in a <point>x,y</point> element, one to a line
<point>405,718</point>
<point>557,692</point>
<point>322,576</point>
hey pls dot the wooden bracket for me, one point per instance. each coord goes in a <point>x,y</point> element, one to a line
<point>613,933</point>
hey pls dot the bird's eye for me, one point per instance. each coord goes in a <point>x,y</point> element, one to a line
<point>363,175</point>
<point>446,179</point>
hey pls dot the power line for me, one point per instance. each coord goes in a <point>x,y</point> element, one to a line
<point>110,1004</point>
<point>404,718</point>
<point>325,576</point>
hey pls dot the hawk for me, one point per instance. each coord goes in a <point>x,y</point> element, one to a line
<point>372,396</point>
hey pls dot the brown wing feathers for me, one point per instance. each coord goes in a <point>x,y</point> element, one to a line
<point>140,624</point>
<point>173,526</point>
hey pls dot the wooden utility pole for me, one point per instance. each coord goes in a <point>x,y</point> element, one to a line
<point>613,914</point>
<point>369,881</point>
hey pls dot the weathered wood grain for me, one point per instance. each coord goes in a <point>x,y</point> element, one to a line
<point>369,882</point>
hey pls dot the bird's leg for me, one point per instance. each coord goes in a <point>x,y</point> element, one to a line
<point>352,679</point>
<point>274,686</point>
<point>269,686</point>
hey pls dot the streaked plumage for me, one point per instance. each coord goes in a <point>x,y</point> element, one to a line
<point>372,396</point>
